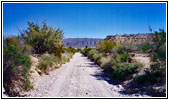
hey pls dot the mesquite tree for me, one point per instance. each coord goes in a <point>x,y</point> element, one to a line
<point>42,39</point>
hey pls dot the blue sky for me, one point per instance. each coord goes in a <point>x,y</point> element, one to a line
<point>94,20</point>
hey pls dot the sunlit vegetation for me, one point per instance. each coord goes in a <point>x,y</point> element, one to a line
<point>42,39</point>
<point>16,65</point>
<point>113,58</point>
<point>106,46</point>
<point>45,42</point>
<point>47,63</point>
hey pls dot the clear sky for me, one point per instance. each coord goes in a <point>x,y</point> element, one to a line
<point>94,20</point>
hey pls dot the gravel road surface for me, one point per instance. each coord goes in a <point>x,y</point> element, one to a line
<point>78,78</point>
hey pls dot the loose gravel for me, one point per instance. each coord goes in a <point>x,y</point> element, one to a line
<point>78,78</point>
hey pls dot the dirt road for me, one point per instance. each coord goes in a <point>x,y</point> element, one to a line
<point>78,78</point>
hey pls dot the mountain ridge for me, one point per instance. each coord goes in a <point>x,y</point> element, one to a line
<point>81,42</point>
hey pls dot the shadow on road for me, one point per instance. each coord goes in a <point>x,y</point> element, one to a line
<point>101,75</point>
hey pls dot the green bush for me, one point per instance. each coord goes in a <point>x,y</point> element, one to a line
<point>106,46</point>
<point>124,70</point>
<point>68,54</point>
<point>120,48</point>
<point>47,62</point>
<point>78,50</point>
<point>160,53</point>
<point>42,39</point>
<point>158,72</point>
<point>71,50</point>
<point>26,49</point>
<point>16,66</point>
<point>148,78</point>
<point>130,45</point>
<point>85,51</point>
<point>98,58</point>
<point>125,57</point>
<point>64,59</point>
<point>158,66</point>
<point>108,66</point>
<point>92,54</point>
<point>145,48</point>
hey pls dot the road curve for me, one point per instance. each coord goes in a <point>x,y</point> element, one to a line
<point>78,78</point>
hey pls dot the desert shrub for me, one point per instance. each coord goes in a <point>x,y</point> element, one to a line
<point>26,49</point>
<point>130,46</point>
<point>68,55</point>
<point>119,66</point>
<point>125,57</point>
<point>120,48</point>
<point>124,70</point>
<point>58,50</point>
<point>78,50</point>
<point>16,66</point>
<point>106,46</point>
<point>121,54</point>
<point>104,60</point>
<point>92,54</point>
<point>86,50</point>
<point>46,63</point>
<point>12,41</point>
<point>108,66</point>
<point>70,49</point>
<point>42,39</point>
<point>160,54</point>
<point>98,58</point>
<point>160,38</point>
<point>64,59</point>
<point>145,47</point>
<point>158,60</point>
<point>17,41</point>
<point>152,78</point>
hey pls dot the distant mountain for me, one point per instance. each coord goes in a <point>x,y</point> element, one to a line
<point>81,42</point>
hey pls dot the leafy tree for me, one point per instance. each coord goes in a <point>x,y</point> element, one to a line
<point>43,38</point>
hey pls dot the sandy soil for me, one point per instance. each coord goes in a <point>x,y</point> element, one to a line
<point>78,78</point>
